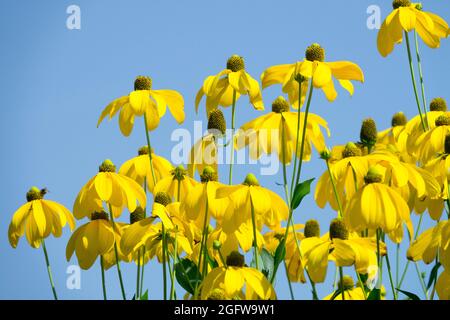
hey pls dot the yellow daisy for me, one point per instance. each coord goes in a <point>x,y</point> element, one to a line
<point>313,67</point>
<point>178,185</point>
<point>38,218</point>
<point>117,190</point>
<point>228,85</point>
<point>406,17</point>
<point>138,168</point>
<point>350,291</point>
<point>144,101</point>
<point>443,286</point>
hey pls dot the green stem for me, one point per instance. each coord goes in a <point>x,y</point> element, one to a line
<point>103,278</point>
<point>291,292</point>
<point>394,292</point>
<point>147,135</point>
<point>379,261</point>
<point>164,254</point>
<point>361,284</point>
<point>202,244</point>
<point>422,85</point>
<point>233,112</point>
<point>49,270</point>
<point>298,136</point>
<point>172,273</point>
<point>341,276</point>
<point>397,264</point>
<point>255,242</point>
<point>422,283</point>
<point>138,275</point>
<point>413,79</point>
<point>142,269</point>
<point>305,124</point>
<point>116,252</point>
<point>341,212</point>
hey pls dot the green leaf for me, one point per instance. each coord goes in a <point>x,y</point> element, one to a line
<point>280,253</point>
<point>145,295</point>
<point>187,275</point>
<point>267,263</point>
<point>375,294</point>
<point>410,295</point>
<point>433,274</point>
<point>301,191</point>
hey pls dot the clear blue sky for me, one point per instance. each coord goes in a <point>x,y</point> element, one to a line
<point>55,82</point>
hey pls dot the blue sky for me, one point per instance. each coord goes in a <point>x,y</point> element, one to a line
<point>55,82</point>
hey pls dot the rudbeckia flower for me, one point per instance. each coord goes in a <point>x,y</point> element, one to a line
<point>204,152</point>
<point>396,134</point>
<point>231,279</point>
<point>350,291</point>
<point>408,16</point>
<point>229,84</point>
<point>38,218</point>
<point>377,205</point>
<point>107,186</point>
<point>430,243</point>
<point>144,101</point>
<point>138,168</point>
<point>340,246</point>
<point>432,142</point>
<point>177,185</point>
<point>313,67</point>
<point>268,133</point>
<point>443,286</point>
<point>93,239</point>
<point>269,208</point>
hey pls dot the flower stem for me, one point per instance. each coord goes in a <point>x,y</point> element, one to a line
<point>172,273</point>
<point>255,242</point>
<point>298,136</point>
<point>394,292</point>
<point>142,269</point>
<point>122,288</point>
<point>147,135</point>
<point>163,244</point>
<point>103,278</point>
<point>138,276</point>
<point>291,292</point>
<point>202,244</point>
<point>49,270</point>
<point>422,283</point>
<point>413,79</point>
<point>419,64</point>
<point>341,277</point>
<point>341,212</point>
<point>379,261</point>
<point>233,113</point>
<point>361,284</point>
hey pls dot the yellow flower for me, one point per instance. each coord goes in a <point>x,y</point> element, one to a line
<point>232,279</point>
<point>144,101</point>
<point>178,185</point>
<point>344,248</point>
<point>267,133</point>
<point>315,67</point>
<point>219,88</point>
<point>396,134</point>
<point>268,207</point>
<point>431,242</point>
<point>377,205</point>
<point>443,286</point>
<point>38,218</point>
<point>408,16</point>
<point>138,168</point>
<point>115,189</point>
<point>431,142</point>
<point>93,239</point>
<point>350,291</point>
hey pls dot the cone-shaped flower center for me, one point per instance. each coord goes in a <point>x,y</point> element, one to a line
<point>144,150</point>
<point>107,166</point>
<point>217,294</point>
<point>399,119</point>
<point>348,282</point>
<point>142,83</point>
<point>315,53</point>
<point>179,173</point>
<point>351,150</point>
<point>338,230</point>
<point>35,194</point>
<point>442,120</point>
<point>373,175</point>
<point>137,215</point>
<point>280,105</point>
<point>368,133</point>
<point>312,228</point>
<point>235,63</point>
<point>250,180</point>
<point>438,104</point>
<point>400,3</point>
<point>100,215</point>
<point>217,245</point>
<point>162,198</point>
<point>235,259</point>
<point>208,174</point>
<point>216,121</point>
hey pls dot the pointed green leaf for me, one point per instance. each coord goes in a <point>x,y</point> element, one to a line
<point>301,191</point>
<point>410,295</point>
<point>187,275</point>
